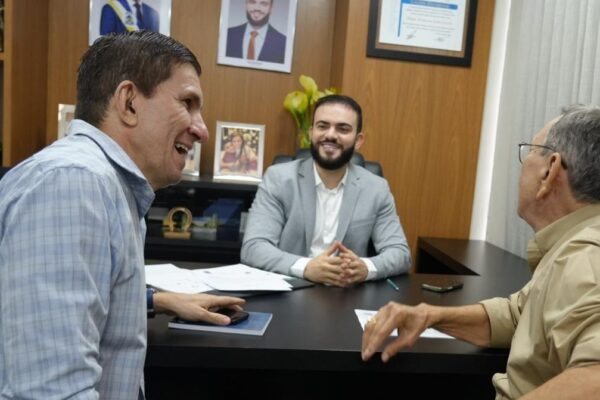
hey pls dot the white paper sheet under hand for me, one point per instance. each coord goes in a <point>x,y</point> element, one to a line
<point>171,278</point>
<point>365,315</point>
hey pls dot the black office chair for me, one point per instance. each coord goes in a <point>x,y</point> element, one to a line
<point>3,170</point>
<point>357,158</point>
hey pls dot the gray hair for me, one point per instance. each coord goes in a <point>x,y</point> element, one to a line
<point>576,136</point>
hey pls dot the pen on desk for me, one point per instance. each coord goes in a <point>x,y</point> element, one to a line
<point>393,285</point>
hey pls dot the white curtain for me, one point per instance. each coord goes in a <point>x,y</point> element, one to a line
<point>552,60</point>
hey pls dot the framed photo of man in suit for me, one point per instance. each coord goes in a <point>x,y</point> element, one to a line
<point>257,34</point>
<point>119,16</point>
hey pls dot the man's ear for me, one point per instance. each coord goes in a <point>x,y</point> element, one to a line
<point>124,99</point>
<point>360,139</point>
<point>550,176</point>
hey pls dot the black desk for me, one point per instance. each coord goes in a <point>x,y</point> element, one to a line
<point>312,348</point>
<point>469,257</point>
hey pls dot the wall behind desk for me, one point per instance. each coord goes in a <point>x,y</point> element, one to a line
<point>231,94</point>
<point>422,121</point>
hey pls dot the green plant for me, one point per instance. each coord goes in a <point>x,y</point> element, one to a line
<point>302,104</point>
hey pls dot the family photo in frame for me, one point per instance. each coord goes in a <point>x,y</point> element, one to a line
<point>239,151</point>
<point>257,34</point>
<point>192,160</point>
<point>66,113</point>
<point>120,16</point>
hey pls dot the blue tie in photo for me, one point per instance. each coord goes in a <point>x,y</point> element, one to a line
<point>138,15</point>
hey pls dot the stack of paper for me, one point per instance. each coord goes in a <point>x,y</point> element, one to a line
<point>170,278</point>
<point>236,277</point>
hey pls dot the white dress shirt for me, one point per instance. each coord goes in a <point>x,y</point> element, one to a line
<point>328,204</point>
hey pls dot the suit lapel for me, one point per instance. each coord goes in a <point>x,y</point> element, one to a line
<point>349,199</point>
<point>308,196</point>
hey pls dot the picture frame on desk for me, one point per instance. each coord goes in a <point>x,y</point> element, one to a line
<point>274,51</point>
<point>66,113</point>
<point>239,152</point>
<point>116,16</point>
<point>192,160</point>
<point>422,31</point>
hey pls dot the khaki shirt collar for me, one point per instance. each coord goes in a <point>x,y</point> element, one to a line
<point>549,236</point>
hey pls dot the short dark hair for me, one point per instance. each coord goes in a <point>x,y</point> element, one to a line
<point>576,136</point>
<point>143,57</point>
<point>341,99</point>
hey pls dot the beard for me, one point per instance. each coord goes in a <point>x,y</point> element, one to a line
<point>334,163</point>
<point>257,24</point>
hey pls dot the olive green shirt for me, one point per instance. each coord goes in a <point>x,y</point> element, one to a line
<point>553,323</point>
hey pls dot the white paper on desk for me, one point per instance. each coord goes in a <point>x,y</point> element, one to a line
<point>237,270</point>
<point>239,277</point>
<point>171,278</point>
<point>365,315</point>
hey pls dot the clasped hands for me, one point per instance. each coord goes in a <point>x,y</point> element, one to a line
<point>336,266</point>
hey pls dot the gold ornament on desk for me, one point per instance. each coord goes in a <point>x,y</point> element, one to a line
<point>177,223</point>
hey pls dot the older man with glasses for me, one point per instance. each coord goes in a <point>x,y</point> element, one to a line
<point>552,325</point>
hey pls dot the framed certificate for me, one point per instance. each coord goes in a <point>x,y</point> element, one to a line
<point>432,31</point>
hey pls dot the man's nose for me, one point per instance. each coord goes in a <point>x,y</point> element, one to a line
<point>331,133</point>
<point>198,128</point>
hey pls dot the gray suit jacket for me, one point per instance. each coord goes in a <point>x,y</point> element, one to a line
<point>281,221</point>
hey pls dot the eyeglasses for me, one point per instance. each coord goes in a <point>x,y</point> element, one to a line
<point>526,148</point>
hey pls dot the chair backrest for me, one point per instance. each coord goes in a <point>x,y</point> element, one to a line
<point>357,158</point>
<point>3,170</point>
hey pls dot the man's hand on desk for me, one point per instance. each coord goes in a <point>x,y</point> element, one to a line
<point>411,321</point>
<point>196,307</point>
<point>336,266</point>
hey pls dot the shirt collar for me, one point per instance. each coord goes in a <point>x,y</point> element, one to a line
<point>118,157</point>
<point>319,181</point>
<point>549,236</point>
<point>262,31</point>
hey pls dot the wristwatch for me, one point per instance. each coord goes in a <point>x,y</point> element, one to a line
<point>150,302</point>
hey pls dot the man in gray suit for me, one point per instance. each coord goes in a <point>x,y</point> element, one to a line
<point>313,218</point>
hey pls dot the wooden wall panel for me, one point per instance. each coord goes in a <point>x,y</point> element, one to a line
<point>67,41</point>
<point>422,122</point>
<point>24,75</point>
<point>231,94</point>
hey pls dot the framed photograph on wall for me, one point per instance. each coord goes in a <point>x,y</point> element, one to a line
<point>257,34</point>
<point>66,113</point>
<point>239,151</point>
<point>439,32</point>
<point>119,16</point>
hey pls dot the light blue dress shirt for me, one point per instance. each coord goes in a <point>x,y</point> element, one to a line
<point>72,284</point>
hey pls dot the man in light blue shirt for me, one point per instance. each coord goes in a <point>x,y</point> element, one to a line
<point>72,284</point>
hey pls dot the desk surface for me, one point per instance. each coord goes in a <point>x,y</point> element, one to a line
<point>316,329</point>
<point>469,257</point>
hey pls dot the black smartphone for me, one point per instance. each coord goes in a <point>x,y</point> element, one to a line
<point>441,284</point>
<point>234,315</point>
